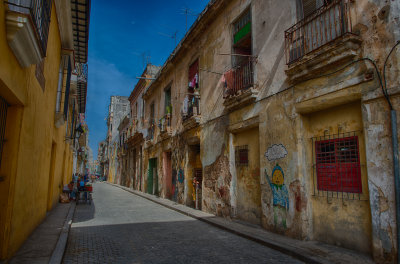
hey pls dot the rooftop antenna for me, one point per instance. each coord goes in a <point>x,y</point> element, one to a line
<point>187,11</point>
<point>173,36</point>
<point>145,59</point>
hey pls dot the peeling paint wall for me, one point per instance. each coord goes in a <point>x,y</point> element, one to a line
<point>290,105</point>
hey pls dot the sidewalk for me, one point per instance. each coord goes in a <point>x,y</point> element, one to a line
<point>47,243</point>
<point>307,251</point>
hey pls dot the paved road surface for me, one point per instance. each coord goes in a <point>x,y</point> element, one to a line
<point>120,227</point>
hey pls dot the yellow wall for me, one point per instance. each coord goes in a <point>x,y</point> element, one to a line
<point>345,222</point>
<point>30,132</point>
<point>248,178</point>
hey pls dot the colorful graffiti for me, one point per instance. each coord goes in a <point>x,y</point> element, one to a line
<point>275,152</point>
<point>280,193</point>
<point>181,176</point>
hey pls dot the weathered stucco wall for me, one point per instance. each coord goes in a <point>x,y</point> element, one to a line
<point>289,110</point>
<point>30,187</point>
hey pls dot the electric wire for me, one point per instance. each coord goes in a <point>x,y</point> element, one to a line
<point>384,74</point>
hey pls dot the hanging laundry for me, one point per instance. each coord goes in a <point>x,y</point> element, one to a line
<point>196,80</point>
<point>229,79</point>
<point>185,106</point>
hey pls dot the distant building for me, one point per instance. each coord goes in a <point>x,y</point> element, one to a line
<point>118,109</point>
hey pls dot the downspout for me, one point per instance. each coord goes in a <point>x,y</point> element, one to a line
<point>395,148</point>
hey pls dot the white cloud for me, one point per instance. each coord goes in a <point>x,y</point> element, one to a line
<point>275,152</point>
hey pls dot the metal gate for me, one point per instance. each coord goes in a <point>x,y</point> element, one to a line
<point>3,118</point>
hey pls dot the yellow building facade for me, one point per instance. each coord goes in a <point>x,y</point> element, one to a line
<point>38,115</point>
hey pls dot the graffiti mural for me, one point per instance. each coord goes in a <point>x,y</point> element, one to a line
<point>275,152</point>
<point>280,194</point>
<point>181,176</point>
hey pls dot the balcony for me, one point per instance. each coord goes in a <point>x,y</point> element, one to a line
<point>150,135</point>
<point>239,84</point>
<point>191,112</point>
<point>164,125</point>
<point>81,73</point>
<point>27,25</point>
<point>323,38</point>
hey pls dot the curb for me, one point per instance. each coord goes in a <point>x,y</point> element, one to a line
<point>275,246</point>
<point>58,252</point>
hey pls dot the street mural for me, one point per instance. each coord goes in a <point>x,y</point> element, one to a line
<point>280,194</point>
<point>275,152</point>
<point>181,176</point>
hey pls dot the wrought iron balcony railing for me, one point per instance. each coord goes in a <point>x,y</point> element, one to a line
<point>81,70</point>
<point>40,11</point>
<point>150,132</point>
<point>326,24</point>
<point>165,123</point>
<point>191,106</point>
<point>239,78</point>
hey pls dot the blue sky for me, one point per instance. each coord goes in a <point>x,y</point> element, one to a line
<point>120,32</point>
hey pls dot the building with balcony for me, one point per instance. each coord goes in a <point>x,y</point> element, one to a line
<point>118,109</point>
<point>278,113</point>
<point>122,153</point>
<point>102,159</point>
<point>138,132</point>
<point>41,45</point>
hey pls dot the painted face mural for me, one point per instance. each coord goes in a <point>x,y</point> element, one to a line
<point>277,176</point>
<point>280,195</point>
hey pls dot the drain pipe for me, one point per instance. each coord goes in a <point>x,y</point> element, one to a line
<point>395,148</point>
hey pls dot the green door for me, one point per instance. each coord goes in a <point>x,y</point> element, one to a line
<point>152,179</point>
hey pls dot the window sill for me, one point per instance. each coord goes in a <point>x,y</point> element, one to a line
<point>21,37</point>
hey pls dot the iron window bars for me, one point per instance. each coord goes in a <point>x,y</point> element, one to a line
<point>40,11</point>
<point>3,119</point>
<point>321,27</point>
<point>336,166</point>
<point>242,155</point>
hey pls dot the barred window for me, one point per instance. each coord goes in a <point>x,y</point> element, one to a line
<point>40,12</point>
<point>337,164</point>
<point>242,155</point>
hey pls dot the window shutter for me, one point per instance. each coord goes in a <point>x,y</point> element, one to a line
<point>68,84</point>
<point>73,121</point>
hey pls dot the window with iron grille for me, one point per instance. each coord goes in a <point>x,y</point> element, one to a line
<point>310,6</point>
<point>242,155</point>
<point>3,119</point>
<point>40,12</point>
<point>337,164</point>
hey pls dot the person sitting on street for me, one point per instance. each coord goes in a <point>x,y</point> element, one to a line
<point>81,185</point>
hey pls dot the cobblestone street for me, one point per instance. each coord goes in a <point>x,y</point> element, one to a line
<point>120,227</point>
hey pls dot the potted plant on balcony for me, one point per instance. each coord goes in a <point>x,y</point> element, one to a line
<point>168,109</point>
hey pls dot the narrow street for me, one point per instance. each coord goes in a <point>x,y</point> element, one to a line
<point>120,227</point>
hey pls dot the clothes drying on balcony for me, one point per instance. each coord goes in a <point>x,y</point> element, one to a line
<point>185,106</point>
